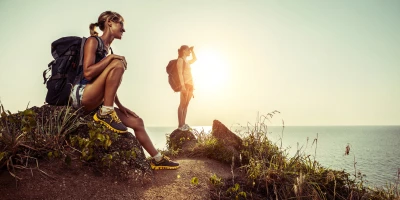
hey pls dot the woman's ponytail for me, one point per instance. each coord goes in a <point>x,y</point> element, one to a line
<point>107,15</point>
<point>92,26</point>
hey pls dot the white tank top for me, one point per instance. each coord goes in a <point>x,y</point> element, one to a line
<point>187,73</point>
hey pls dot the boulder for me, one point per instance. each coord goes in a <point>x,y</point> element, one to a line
<point>183,140</point>
<point>229,144</point>
<point>225,136</point>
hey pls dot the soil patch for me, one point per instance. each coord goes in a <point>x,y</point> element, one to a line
<point>82,182</point>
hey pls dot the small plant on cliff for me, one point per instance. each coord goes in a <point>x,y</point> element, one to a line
<point>13,140</point>
<point>24,138</point>
<point>97,138</point>
<point>194,181</point>
<point>216,186</point>
<point>236,192</point>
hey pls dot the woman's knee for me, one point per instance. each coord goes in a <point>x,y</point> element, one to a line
<point>187,101</point>
<point>140,121</point>
<point>183,98</point>
<point>116,65</point>
<point>182,105</point>
<point>138,124</point>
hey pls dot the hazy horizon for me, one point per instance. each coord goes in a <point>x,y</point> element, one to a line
<point>320,63</point>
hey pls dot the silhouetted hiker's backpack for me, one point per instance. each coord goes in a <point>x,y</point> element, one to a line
<point>173,77</point>
<point>66,68</point>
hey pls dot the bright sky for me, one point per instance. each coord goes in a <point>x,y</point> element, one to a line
<point>318,62</point>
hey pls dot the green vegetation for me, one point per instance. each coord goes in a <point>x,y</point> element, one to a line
<point>64,134</point>
<point>24,138</point>
<point>265,171</point>
<point>194,181</point>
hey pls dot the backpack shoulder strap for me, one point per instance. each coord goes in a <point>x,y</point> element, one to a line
<point>79,69</point>
<point>100,47</point>
<point>81,52</point>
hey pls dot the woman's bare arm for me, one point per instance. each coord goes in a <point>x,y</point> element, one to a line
<point>179,66</point>
<point>91,69</point>
<point>194,58</point>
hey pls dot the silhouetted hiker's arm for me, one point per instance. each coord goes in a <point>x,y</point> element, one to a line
<point>194,58</point>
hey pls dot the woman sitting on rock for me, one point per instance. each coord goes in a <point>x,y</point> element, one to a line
<point>102,75</point>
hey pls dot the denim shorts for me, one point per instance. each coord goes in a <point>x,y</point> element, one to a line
<point>77,94</point>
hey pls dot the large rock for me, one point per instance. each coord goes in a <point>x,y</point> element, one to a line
<point>229,144</point>
<point>225,136</point>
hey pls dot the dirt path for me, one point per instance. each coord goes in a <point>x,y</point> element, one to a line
<point>177,184</point>
<point>82,184</point>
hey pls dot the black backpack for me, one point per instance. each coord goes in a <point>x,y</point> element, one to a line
<point>66,68</point>
<point>173,77</point>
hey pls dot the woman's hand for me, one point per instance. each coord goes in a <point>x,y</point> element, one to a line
<point>122,58</point>
<point>126,111</point>
<point>183,89</point>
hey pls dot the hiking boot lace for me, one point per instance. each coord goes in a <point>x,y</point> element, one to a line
<point>167,158</point>
<point>115,117</point>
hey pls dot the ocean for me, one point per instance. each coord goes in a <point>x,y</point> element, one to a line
<point>375,150</point>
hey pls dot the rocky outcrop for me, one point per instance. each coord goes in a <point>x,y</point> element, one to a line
<point>183,140</point>
<point>229,144</point>
<point>61,132</point>
<point>225,136</point>
<point>221,144</point>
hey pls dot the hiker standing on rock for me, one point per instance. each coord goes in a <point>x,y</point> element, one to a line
<point>186,80</point>
<point>102,76</point>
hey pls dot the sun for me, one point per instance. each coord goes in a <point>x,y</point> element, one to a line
<point>210,71</point>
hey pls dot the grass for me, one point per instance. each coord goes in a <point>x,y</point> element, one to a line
<point>266,171</point>
<point>27,137</point>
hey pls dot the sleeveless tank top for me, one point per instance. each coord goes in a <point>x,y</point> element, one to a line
<point>187,73</point>
<point>99,56</point>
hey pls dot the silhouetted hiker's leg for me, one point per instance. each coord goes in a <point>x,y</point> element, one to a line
<point>188,97</point>
<point>181,109</point>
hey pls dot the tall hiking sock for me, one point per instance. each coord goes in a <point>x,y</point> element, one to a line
<point>158,157</point>
<point>104,110</point>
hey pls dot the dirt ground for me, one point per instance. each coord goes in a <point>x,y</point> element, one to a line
<point>80,182</point>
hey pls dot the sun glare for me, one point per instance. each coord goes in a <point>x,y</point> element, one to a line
<point>210,70</point>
